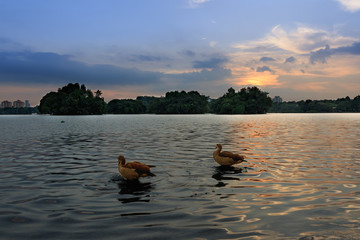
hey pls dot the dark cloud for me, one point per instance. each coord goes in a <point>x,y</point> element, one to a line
<point>34,67</point>
<point>353,49</point>
<point>206,80</point>
<point>323,54</point>
<point>263,69</point>
<point>147,58</point>
<point>290,60</point>
<point>202,76</point>
<point>267,59</point>
<point>214,62</point>
<point>320,55</point>
<point>9,45</point>
<point>51,68</point>
<point>188,53</point>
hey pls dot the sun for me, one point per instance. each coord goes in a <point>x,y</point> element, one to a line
<point>257,79</point>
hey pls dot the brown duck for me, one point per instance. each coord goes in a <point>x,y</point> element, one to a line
<point>226,158</point>
<point>133,170</point>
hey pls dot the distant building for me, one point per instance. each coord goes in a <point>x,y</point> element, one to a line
<point>277,99</point>
<point>6,104</point>
<point>27,103</point>
<point>18,104</point>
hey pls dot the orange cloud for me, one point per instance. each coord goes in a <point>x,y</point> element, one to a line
<point>255,78</point>
<point>312,86</point>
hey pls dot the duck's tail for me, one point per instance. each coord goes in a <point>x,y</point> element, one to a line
<point>241,160</point>
<point>147,174</point>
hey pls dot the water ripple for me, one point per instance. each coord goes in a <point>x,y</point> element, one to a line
<point>301,180</point>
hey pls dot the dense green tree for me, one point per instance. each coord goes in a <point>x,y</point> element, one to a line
<point>344,104</point>
<point>126,106</point>
<point>319,106</point>
<point>249,100</point>
<point>310,106</point>
<point>355,104</point>
<point>256,101</point>
<point>146,99</point>
<point>180,103</point>
<point>285,107</point>
<point>72,99</point>
<point>148,102</point>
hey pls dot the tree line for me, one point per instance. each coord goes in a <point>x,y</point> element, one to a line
<point>249,100</point>
<point>318,106</point>
<point>76,99</point>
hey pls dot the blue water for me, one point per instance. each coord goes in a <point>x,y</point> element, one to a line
<point>59,177</point>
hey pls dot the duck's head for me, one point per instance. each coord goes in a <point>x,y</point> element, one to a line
<point>218,146</point>
<point>121,160</point>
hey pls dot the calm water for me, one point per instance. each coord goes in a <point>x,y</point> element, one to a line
<point>59,180</point>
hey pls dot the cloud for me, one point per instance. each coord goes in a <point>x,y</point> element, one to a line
<point>9,45</point>
<point>311,49</point>
<point>204,75</point>
<point>214,62</point>
<point>34,68</point>
<point>290,59</point>
<point>323,54</point>
<point>38,67</point>
<point>147,58</point>
<point>212,43</point>
<point>188,53</point>
<point>196,3</point>
<point>320,55</point>
<point>255,78</point>
<point>267,59</point>
<point>263,69</point>
<point>353,49</point>
<point>301,40</point>
<point>350,5</point>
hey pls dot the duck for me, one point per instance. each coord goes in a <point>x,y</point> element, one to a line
<point>226,158</point>
<point>133,170</point>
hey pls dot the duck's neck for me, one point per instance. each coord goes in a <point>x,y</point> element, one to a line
<point>217,151</point>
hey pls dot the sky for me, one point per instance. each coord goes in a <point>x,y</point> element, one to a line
<point>298,49</point>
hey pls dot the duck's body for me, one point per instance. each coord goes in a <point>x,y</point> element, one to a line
<point>133,170</point>
<point>226,158</point>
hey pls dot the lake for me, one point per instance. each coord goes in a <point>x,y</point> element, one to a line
<point>59,177</point>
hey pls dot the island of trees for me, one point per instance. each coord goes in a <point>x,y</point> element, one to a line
<point>249,100</point>
<point>76,99</point>
<point>73,99</point>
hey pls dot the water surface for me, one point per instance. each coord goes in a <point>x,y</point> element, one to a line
<point>59,177</point>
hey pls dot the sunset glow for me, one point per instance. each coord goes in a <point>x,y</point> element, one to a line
<point>258,79</point>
